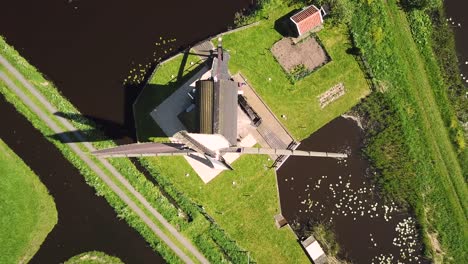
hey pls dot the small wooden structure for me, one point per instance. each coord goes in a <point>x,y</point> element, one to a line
<point>280,221</point>
<point>314,250</point>
<point>308,19</point>
<point>331,95</point>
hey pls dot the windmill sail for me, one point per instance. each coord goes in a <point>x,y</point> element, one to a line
<point>144,150</point>
<point>285,152</point>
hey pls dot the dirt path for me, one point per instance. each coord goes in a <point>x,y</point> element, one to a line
<point>92,165</point>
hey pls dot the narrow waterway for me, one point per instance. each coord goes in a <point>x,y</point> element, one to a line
<point>85,221</point>
<point>339,194</point>
<point>458,19</point>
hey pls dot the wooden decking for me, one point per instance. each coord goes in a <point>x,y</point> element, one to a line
<point>204,49</point>
<point>271,133</point>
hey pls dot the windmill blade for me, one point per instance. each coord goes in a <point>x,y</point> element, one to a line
<point>144,150</point>
<point>285,152</point>
<point>189,141</point>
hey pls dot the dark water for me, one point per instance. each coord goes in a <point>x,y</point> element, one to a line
<point>87,48</point>
<point>457,14</point>
<point>340,195</point>
<point>85,221</point>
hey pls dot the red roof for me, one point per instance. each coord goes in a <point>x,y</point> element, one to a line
<point>307,19</point>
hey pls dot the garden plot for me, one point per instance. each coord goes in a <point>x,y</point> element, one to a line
<point>301,58</point>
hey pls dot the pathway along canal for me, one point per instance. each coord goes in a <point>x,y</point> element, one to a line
<point>85,221</point>
<point>340,195</point>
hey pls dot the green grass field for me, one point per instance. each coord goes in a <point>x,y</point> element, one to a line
<point>251,55</point>
<point>244,201</point>
<point>93,257</point>
<point>413,82</point>
<point>27,211</point>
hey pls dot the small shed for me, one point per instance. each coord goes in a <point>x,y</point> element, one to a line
<point>314,250</point>
<point>308,19</point>
<point>280,221</point>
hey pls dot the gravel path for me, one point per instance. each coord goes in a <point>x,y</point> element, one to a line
<point>92,165</point>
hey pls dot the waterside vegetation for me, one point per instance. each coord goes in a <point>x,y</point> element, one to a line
<point>415,138</point>
<point>94,257</point>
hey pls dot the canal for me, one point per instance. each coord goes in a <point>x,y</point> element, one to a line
<point>458,19</point>
<point>340,196</point>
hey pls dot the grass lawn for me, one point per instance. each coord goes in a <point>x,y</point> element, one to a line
<point>244,201</point>
<point>93,257</point>
<point>251,55</point>
<point>27,211</point>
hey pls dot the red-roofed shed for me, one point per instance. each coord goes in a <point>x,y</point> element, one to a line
<point>307,19</point>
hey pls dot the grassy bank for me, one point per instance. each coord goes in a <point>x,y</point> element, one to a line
<point>415,153</point>
<point>93,257</point>
<point>27,211</point>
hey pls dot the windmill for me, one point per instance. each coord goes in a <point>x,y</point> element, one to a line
<point>217,101</point>
<point>211,146</point>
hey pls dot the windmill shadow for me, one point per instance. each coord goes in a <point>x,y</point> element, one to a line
<point>100,129</point>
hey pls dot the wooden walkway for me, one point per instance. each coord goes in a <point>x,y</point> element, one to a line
<point>204,49</point>
<point>271,133</point>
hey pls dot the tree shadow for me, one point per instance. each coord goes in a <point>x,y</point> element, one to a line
<point>284,25</point>
<point>355,51</point>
